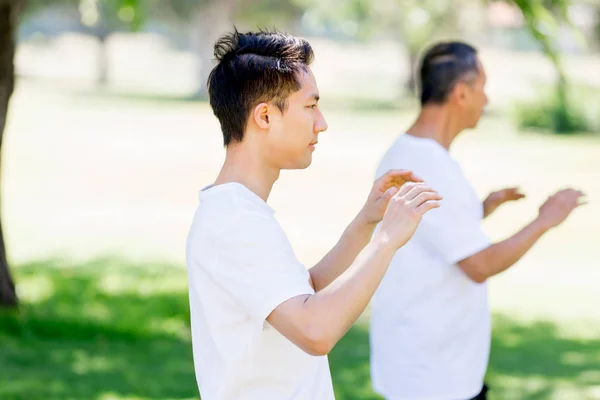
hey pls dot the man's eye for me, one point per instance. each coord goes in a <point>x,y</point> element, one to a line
<point>313,106</point>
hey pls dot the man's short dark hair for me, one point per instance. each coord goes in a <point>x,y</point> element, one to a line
<point>254,67</point>
<point>444,65</point>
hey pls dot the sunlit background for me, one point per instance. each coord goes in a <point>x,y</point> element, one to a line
<point>109,138</point>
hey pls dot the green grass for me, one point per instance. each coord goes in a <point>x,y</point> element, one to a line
<point>112,329</point>
<point>98,331</point>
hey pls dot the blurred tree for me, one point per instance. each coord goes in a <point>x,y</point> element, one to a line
<point>543,19</point>
<point>103,17</point>
<point>411,23</point>
<point>9,15</point>
<point>99,18</point>
<point>415,24</point>
<point>208,19</point>
<point>129,11</point>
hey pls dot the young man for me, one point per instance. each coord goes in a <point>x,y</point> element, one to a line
<point>262,324</point>
<point>430,322</point>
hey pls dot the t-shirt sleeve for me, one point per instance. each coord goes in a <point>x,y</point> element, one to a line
<point>255,264</point>
<point>453,231</point>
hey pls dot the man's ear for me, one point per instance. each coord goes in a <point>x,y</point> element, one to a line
<point>261,115</point>
<point>460,93</point>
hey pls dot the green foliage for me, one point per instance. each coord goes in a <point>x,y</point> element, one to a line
<point>131,12</point>
<point>100,14</point>
<point>552,113</point>
<point>553,116</point>
<point>542,19</point>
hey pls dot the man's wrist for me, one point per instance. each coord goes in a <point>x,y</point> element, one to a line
<point>383,243</point>
<point>488,207</point>
<point>361,225</point>
<point>540,226</point>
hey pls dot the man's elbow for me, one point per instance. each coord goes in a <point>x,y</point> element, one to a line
<point>477,277</point>
<point>316,342</point>
<point>474,269</point>
<point>318,348</point>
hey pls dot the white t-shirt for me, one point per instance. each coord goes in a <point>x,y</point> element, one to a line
<point>241,267</point>
<point>430,324</point>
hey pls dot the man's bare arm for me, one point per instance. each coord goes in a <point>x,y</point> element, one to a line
<point>501,256</point>
<point>354,239</point>
<point>358,234</point>
<point>316,322</point>
<point>496,199</point>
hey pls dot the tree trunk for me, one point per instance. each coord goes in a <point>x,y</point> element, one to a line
<point>9,10</point>
<point>208,23</point>
<point>102,31</point>
<point>103,62</point>
<point>562,122</point>
<point>411,82</point>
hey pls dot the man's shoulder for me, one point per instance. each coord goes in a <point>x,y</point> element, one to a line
<point>236,221</point>
<point>233,200</point>
<point>419,156</point>
<point>236,234</point>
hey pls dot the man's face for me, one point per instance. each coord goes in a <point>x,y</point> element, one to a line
<point>476,99</point>
<point>294,133</point>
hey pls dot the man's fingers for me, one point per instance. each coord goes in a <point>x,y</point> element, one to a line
<point>581,199</point>
<point>575,194</point>
<point>571,191</point>
<point>404,190</point>
<point>389,194</point>
<point>514,193</point>
<point>425,196</point>
<point>570,198</point>
<point>399,177</point>
<point>405,174</point>
<point>417,190</point>
<point>428,205</point>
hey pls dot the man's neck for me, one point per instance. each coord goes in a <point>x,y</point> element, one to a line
<point>246,168</point>
<point>437,123</point>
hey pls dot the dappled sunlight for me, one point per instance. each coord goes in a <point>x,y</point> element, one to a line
<point>528,361</point>
<point>132,342</point>
<point>36,288</point>
<point>139,348</point>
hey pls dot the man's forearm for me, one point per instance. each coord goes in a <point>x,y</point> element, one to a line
<point>336,307</point>
<point>487,210</point>
<point>356,236</point>
<point>502,255</point>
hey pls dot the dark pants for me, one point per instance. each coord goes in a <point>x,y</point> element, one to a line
<point>482,395</point>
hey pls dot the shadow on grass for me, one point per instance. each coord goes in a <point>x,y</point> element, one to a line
<point>105,328</point>
<point>109,329</point>
<point>527,362</point>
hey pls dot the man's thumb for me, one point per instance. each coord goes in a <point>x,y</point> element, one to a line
<point>389,194</point>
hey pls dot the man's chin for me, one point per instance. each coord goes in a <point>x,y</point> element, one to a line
<point>305,163</point>
<point>299,165</point>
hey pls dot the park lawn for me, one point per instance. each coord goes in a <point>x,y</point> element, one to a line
<point>110,329</point>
